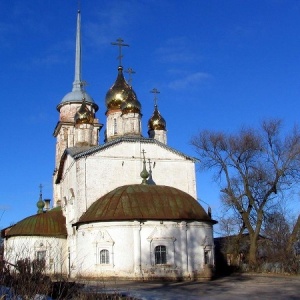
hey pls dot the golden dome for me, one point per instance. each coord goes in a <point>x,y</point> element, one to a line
<point>118,93</point>
<point>84,115</point>
<point>132,104</point>
<point>157,122</point>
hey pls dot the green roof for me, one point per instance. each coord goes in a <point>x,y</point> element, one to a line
<point>49,223</point>
<point>145,202</point>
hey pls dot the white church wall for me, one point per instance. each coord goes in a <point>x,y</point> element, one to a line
<point>131,247</point>
<point>53,250</point>
<point>94,176</point>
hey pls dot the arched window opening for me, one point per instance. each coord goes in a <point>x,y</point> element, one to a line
<point>104,257</point>
<point>160,255</point>
<point>115,126</point>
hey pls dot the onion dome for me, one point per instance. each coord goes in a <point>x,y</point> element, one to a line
<point>145,202</point>
<point>76,97</point>
<point>157,122</point>
<point>118,93</point>
<point>40,205</point>
<point>132,104</point>
<point>50,223</point>
<point>84,115</point>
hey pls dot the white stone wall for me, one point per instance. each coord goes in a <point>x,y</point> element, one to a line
<point>94,176</point>
<point>131,247</point>
<point>132,124</point>
<point>160,135</point>
<point>26,247</point>
<point>114,124</point>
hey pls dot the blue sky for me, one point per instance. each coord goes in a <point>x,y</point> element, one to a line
<point>218,65</point>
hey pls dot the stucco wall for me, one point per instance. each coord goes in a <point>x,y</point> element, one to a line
<point>131,247</point>
<point>27,247</point>
<point>93,176</point>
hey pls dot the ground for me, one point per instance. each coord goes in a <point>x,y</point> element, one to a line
<point>232,287</point>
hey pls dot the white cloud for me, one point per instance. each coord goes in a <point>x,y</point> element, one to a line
<point>177,50</point>
<point>189,81</point>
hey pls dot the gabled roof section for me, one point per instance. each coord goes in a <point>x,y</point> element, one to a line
<point>127,139</point>
<point>79,152</point>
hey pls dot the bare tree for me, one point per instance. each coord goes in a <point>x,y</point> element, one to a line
<point>255,168</point>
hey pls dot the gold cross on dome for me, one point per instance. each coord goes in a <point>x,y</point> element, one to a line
<point>120,44</point>
<point>155,91</point>
<point>130,71</point>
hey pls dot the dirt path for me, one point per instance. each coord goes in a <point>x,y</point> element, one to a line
<point>232,287</point>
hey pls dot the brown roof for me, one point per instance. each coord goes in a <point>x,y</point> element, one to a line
<point>145,202</point>
<point>50,223</point>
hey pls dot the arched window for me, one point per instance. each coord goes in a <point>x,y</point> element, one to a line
<point>115,126</point>
<point>160,255</point>
<point>104,257</point>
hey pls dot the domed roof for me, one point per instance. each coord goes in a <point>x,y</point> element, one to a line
<point>157,122</point>
<point>76,96</point>
<point>132,104</point>
<point>50,223</point>
<point>84,115</point>
<point>145,202</point>
<point>118,93</point>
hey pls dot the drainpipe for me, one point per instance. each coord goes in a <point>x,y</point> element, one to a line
<point>69,259</point>
<point>140,254</point>
<point>186,248</point>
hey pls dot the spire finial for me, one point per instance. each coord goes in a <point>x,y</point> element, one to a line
<point>130,71</point>
<point>155,91</point>
<point>40,204</point>
<point>144,174</point>
<point>120,44</point>
<point>77,80</point>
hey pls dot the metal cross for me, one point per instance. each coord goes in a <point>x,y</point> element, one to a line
<point>130,71</point>
<point>120,44</point>
<point>41,189</point>
<point>149,163</point>
<point>155,91</point>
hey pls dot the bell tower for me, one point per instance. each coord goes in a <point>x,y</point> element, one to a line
<point>77,125</point>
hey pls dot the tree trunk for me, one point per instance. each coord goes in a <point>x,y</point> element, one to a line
<point>253,251</point>
<point>294,235</point>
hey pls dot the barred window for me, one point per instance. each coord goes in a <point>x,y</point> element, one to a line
<point>160,255</point>
<point>104,257</point>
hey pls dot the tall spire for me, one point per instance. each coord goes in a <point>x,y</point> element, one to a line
<point>77,85</point>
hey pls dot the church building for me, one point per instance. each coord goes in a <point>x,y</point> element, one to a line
<point>124,208</point>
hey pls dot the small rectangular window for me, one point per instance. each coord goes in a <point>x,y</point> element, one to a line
<point>206,257</point>
<point>160,255</point>
<point>41,255</point>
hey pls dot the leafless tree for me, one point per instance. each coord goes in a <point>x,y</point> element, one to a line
<point>255,168</point>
